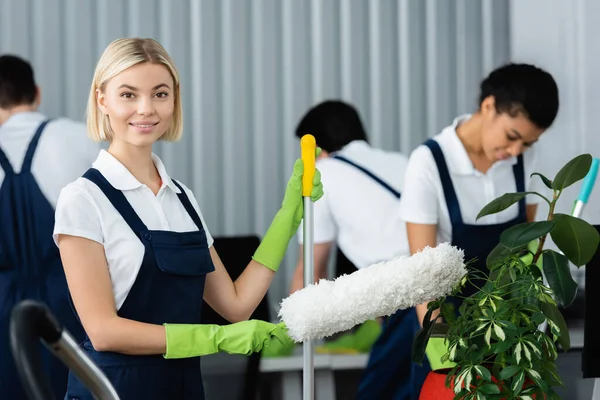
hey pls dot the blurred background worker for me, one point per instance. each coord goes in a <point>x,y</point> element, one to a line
<point>38,156</point>
<point>358,214</point>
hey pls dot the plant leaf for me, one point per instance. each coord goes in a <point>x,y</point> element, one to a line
<point>553,313</point>
<point>546,181</point>
<point>501,203</point>
<point>521,234</point>
<point>490,388</point>
<point>573,171</point>
<point>576,238</point>
<point>499,332</point>
<point>517,384</point>
<point>483,372</point>
<point>448,312</point>
<point>509,371</point>
<point>556,268</point>
<point>422,337</point>
<point>498,254</point>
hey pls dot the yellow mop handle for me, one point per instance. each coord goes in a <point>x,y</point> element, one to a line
<point>308,147</point>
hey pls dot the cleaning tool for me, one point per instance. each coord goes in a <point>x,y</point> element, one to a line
<point>307,149</point>
<point>32,322</point>
<point>324,308</point>
<point>586,189</point>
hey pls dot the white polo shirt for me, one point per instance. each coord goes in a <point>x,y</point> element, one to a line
<point>355,210</point>
<point>63,153</point>
<point>83,210</point>
<point>423,200</point>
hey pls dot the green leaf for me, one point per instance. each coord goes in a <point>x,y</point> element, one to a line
<point>556,268</point>
<point>498,254</point>
<point>483,372</point>
<point>504,345</point>
<point>448,312</point>
<point>517,384</point>
<point>576,238</point>
<point>538,318</point>
<point>573,171</point>
<point>509,371</point>
<point>521,234</point>
<point>553,313</point>
<point>422,337</point>
<point>546,181</point>
<point>490,388</point>
<point>500,204</point>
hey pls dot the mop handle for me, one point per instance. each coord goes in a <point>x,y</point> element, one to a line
<point>308,147</point>
<point>586,188</point>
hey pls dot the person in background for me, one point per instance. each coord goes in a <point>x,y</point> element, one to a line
<point>358,215</point>
<point>476,159</point>
<point>38,157</point>
<point>138,256</point>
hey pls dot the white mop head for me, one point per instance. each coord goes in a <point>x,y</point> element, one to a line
<point>327,307</point>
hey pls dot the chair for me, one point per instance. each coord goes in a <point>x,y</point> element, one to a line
<point>236,253</point>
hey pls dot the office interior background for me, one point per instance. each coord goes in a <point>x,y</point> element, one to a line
<point>250,69</point>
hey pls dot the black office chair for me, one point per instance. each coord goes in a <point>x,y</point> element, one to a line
<point>236,253</point>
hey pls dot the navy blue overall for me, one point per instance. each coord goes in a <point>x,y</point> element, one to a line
<point>168,289</point>
<point>389,367</point>
<point>30,267</point>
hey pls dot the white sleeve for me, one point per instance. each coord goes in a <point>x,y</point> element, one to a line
<point>325,228</point>
<point>209,238</point>
<point>532,183</point>
<point>419,199</point>
<point>77,215</point>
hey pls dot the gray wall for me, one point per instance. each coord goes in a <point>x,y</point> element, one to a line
<point>251,68</point>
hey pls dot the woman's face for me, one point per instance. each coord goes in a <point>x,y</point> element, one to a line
<point>139,103</point>
<point>504,136</point>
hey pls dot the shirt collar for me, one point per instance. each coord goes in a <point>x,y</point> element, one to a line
<point>25,116</point>
<point>120,177</point>
<point>459,162</point>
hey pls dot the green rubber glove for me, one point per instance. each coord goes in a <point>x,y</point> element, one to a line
<point>246,337</point>
<point>435,350</point>
<point>271,250</point>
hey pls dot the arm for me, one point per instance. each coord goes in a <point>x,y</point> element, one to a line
<point>89,283</point>
<point>236,301</point>
<point>420,236</point>
<point>321,252</point>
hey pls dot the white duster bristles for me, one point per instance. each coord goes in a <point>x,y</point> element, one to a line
<point>327,307</point>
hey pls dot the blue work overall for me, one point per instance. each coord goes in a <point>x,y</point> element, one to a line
<point>388,370</point>
<point>477,241</point>
<point>30,267</point>
<point>168,289</point>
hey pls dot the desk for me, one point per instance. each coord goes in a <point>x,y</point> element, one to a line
<point>325,365</point>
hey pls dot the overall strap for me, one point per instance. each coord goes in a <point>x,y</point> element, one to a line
<point>187,204</point>
<point>519,173</point>
<point>26,167</point>
<point>448,187</point>
<point>5,164</point>
<point>118,200</point>
<point>370,174</point>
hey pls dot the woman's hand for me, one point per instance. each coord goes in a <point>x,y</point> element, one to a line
<point>287,220</point>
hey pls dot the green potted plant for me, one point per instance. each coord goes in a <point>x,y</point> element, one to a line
<point>495,349</point>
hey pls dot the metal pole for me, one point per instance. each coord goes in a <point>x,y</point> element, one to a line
<point>308,147</point>
<point>309,268</point>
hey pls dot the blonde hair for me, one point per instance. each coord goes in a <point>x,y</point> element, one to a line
<point>117,57</point>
